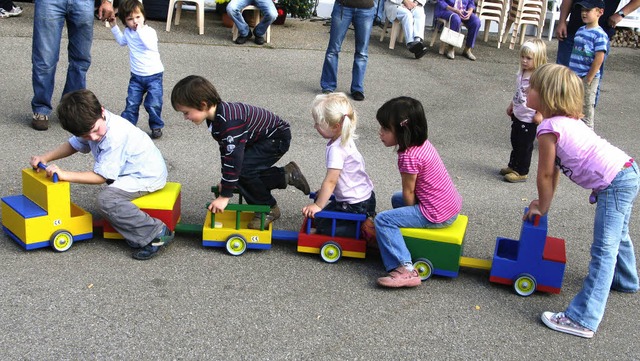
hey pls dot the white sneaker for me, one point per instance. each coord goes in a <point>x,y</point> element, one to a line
<point>15,11</point>
<point>4,13</point>
<point>560,322</point>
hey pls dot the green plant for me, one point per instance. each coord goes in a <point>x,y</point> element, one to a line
<point>302,9</point>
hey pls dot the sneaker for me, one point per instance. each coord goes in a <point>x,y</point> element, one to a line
<point>560,322</point>
<point>451,53</point>
<point>4,13</point>
<point>400,277</point>
<point>467,54</point>
<point>273,214</point>
<point>156,133</point>
<point>506,170</point>
<point>259,40</point>
<point>155,246</point>
<point>40,121</point>
<point>358,96</point>
<point>515,177</point>
<point>243,39</point>
<point>15,11</point>
<point>294,177</point>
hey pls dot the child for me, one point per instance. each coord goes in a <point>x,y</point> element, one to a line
<point>125,159</point>
<point>251,141</point>
<point>568,145</point>
<point>146,67</point>
<point>335,120</point>
<point>589,49</point>
<point>524,120</point>
<point>428,199</point>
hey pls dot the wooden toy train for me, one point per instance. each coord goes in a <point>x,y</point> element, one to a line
<point>45,216</point>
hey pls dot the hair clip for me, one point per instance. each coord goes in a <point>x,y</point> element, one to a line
<point>404,123</point>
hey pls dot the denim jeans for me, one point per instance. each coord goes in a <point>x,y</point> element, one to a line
<point>341,18</point>
<point>49,19</point>
<point>412,23</point>
<point>258,176</point>
<point>138,86</point>
<point>613,262</point>
<point>267,8</point>
<point>393,250</point>
<point>345,228</point>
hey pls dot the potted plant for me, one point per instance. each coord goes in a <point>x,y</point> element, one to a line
<point>302,9</point>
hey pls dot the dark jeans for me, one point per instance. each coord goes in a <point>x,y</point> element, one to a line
<point>345,228</point>
<point>258,176</point>
<point>138,86</point>
<point>522,137</point>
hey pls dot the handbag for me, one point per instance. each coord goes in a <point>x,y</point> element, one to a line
<point>451,37</point>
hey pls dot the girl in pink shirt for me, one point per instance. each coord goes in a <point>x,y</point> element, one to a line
<point>428,198</point>
<point>566,144</point>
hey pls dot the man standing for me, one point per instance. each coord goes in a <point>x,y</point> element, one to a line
<point>50,17</point>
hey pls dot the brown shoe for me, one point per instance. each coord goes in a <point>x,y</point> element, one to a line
<point>506,170</point>
<point>273,214</point>
<point>40,121</point>
<point>515,177</point>
<point>294,177</point>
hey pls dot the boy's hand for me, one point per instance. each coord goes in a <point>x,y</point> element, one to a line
<point>35,159</point>
<point>311,210</point>
<point>54,169</point>
<point>112,21</point>
<point>218,205</point>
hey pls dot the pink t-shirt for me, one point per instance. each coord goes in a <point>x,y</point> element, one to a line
<point>520,108</point>
<point>437,196</point>
<point>587,159</point>
<point>354,185</point>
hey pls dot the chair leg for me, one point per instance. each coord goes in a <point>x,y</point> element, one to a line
<point>172,4</point>
<point>200,10</point>
<point>384,30</point>
<point>395,29</point>
<point>434,36</point>
<point>178,12</point>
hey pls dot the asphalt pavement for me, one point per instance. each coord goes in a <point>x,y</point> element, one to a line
<point>191,303</point>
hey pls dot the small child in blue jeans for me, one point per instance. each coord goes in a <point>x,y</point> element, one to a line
<point>566,144</point>
<point>125,159</point>
<point>146,67</point>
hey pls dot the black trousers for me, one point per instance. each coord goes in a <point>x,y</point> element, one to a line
<point>522,137</point>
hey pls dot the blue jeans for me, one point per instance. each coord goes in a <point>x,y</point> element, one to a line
<point>138,86</point>
<point>267,8</point>
<point>345,228</point>
<point>613,262</point>
<point>393,250</point>
<point>341,18</point>
<point>49,19</point>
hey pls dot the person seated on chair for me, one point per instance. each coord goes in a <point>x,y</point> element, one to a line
<point>411,14</point>
<point>456,12</point>
<point>269,14</point>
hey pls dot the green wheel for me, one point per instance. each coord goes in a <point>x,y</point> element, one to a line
<point>61,240</point>
<point>331,252</point>
<point>236,245</point>
<point>525,285</point>
<point>424,268</point>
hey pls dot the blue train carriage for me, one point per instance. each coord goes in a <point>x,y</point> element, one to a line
<point>536,262</point>
<point>229,228</point>
<point>44,215</point>
<point>331,247</point>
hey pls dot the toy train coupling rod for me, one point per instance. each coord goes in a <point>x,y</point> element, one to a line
<point>44,166</point>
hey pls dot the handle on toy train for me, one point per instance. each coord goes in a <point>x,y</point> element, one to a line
<point>536,220</point>
<point>44,166</point>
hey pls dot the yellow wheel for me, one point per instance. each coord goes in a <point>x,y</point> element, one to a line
<point>236,245</point>
<point>61,240</point>
<point>525,285</point>
<point>331,252</point>
<point>424,268</point>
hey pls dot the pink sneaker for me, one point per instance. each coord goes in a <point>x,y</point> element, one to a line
<point>400,277</point>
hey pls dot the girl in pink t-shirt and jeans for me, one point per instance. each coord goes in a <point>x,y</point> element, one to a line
<point>566,144</point>
<point>428,198</point>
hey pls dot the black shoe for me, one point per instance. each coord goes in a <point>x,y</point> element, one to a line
<point>359,96</point>
<point>259,40</point>
<point>243,39</point>
<point>156,133</point>
<point>420,53</point>
<point>156,245</point>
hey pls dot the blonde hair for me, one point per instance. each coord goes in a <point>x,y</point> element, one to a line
<point>559,89</point>
<point>537,50</point>
<point>333,109</point>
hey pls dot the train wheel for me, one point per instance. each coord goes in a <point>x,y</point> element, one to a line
<point>61,240</point>
<point>236,245</point>
<point>424,268</point>
<point>331,252</point>
<point>525,285</point>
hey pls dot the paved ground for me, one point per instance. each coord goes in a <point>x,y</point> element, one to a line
<point>96,302</point>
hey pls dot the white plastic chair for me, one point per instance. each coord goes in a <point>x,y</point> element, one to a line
<point>493,10</point>
<point>178,4</point>
<point>396,33</point>
<point>256,19</point>
<point>523,13</point>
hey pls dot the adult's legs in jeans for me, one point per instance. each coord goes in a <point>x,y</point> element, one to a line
<point>362,22</point>
<point>340,21</point>
<point>234,9</point>
<point>269,14</point>
<point>564,51</point>
<point>80,30</point>
<point>259,176</point>
<point>153,100</point>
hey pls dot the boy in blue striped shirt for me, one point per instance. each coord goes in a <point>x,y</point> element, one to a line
<point>589,50</point>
